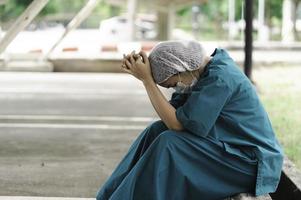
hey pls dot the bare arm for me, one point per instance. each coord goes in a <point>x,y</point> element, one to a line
<point>163,108</point>
<point>141,70</point>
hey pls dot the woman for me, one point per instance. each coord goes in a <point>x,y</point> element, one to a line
<point>214,139</point>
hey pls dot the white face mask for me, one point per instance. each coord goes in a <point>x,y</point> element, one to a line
<point>182,87</point>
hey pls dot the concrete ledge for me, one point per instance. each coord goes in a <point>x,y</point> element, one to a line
<point>245,196</point>
<point>86,65</point>
<point>27,66</point>
<point>289,187</point>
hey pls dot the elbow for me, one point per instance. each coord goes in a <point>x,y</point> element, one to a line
<point>177,127</point>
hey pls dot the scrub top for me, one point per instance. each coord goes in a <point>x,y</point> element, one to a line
<point>224,106</point>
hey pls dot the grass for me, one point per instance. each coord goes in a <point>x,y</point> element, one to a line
<point>280,91</point>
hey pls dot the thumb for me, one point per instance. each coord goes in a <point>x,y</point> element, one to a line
<point>144,57</point>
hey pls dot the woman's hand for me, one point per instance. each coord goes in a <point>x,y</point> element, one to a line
<point>138,66</point>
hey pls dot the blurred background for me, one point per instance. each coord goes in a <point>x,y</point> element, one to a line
<point>68,113</point>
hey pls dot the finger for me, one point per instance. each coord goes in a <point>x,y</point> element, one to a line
<point>128,57</point>
<point>128,64</point>
<point>123,63</point>
<point>127,71</point>
<point>124,57</point>
<point>144,56</point>
<point>139,59</point>
<point>124,66</point>
<point>132,54</point>
<point>132,60</point>
<point>136,56</point>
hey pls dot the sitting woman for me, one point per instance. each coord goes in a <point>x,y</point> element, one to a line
<point>214,139</point>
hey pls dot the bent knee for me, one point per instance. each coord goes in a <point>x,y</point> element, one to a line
<point>168,137</point>
<point>158,124</point>
<point>157,127</point>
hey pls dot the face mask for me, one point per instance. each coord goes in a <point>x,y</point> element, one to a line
<point>182,87</point>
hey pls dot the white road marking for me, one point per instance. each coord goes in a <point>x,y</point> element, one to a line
<point>45,90</point>
<point>71,126</point>
<point>77,118</point>
<point>66,76</point>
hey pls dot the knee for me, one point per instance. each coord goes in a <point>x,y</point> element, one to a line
<point>153,130</point>
<point>157,128</point>
<point>158,125</point>
<point>167,137</point>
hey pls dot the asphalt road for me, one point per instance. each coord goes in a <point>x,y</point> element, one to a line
<point>62,134</point>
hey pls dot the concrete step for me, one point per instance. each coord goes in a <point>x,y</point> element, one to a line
<point>27,66</point>
<point>23,56</point>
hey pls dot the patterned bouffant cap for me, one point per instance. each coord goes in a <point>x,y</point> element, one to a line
<point>171,57</point>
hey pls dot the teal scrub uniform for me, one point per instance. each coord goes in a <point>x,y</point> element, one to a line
<point>227,146</point>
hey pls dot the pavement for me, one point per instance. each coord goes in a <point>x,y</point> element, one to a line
<point>41,198</point>
<point>238,197</point>
<point>62,134</point>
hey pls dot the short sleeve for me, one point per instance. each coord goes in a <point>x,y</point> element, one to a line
<point>202,108</point>
<point>177,99</point>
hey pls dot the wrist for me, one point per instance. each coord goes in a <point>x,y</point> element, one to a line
<point>148,82</point>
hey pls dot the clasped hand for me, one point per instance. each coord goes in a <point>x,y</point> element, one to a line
<point>137,65</point>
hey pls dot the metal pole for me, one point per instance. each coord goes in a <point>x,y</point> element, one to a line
<point>248,38</point>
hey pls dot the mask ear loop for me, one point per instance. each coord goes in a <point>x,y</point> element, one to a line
<point>179,77</point>
<point>192,75</point>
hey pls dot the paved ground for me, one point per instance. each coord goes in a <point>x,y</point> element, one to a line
<point>61,135</point>
<point>43,198</point>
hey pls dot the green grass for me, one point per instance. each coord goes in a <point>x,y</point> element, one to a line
<point>280,92</point>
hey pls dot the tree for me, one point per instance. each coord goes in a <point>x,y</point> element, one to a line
<point>13,8</point>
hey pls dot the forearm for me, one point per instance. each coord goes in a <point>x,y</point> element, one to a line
<point>164,109</point>
<point>141,70</point>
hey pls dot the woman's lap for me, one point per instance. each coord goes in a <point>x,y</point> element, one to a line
<point>165,164</point>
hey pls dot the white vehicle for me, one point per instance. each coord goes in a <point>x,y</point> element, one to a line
<point>116,29</point>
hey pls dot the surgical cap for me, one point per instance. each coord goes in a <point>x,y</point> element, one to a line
<point>171,57</point>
